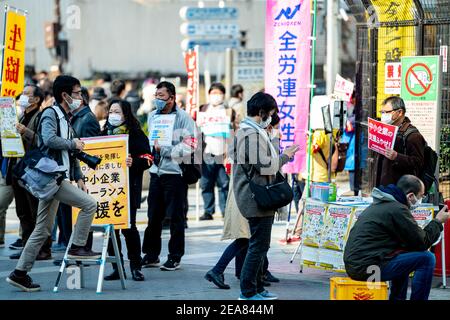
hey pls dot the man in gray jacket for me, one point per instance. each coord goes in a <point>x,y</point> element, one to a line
<point>167,192</point>
<point>56,140</point>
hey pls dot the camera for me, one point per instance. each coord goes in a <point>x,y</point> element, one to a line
<point>91,161</point>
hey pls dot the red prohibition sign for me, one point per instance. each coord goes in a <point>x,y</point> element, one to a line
<point>426,88</point>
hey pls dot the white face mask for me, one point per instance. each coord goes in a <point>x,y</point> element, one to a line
<point>417,203</point>
<point>76,103</point>
<point>216,99</point>
<point>24,101</point>
<point>386,118</point>
<point>115,119</point>
<point>265,124</point>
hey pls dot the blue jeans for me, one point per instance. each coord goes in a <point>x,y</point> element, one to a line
<point>251,274</point>
<point>399,268</point>
<point>235,249</point>
<point>214,174</point>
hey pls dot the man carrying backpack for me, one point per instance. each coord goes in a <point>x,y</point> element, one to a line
<point>56,142</point>
<point>407,157</point>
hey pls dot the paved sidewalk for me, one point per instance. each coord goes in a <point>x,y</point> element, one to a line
<point>203,248</point>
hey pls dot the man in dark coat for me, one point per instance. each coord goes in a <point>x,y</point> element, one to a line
<point>407,157</point>
<point>387,244</point>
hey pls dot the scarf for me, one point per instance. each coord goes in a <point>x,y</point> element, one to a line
<point>394,191</point>
<point>249,123</point>
<point>112,131</point>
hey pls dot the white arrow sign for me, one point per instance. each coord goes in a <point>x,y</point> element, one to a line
<point>209,29</point>
<point>208,13</point>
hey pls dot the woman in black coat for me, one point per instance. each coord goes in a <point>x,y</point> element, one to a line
<point>122,121</point>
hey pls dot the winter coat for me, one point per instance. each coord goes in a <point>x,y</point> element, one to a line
<point>382,231</point>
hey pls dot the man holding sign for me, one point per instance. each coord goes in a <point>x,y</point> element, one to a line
<point>167,192</point>
<point>406,156</point>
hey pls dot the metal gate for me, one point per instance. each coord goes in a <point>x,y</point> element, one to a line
<point>388,30</point>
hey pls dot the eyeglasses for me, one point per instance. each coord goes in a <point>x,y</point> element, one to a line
<point>389,111</point>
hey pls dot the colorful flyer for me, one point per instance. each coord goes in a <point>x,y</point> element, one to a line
<point>313,222</point>
<point>423,215</point>
<point>336,227</point>
<point>12,145</point>
<point>161,129</point>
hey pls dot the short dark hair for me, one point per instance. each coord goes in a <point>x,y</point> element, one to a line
<point>168,85</point>
<point>409,183</point>
<point>396,103</point>
<point>63,84</point>
<point>85,95</point>
<point>37,92</point>
<point>236,90</point>
<point>260,102</point>
<point>117,87</point>
<point>217,85</point>
<point>275,119</point>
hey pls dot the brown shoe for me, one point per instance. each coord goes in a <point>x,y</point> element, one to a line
<point>83,253</point>
<point>44,256</point>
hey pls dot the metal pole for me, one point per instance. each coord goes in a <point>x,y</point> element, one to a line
<point>313,62</point>
<point>207,76</point>
<point>228,71</point>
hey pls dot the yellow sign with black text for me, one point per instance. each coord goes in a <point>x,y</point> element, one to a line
<point>13,66</point>
<point>109,183</point>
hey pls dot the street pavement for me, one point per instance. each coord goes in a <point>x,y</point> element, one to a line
<point>203,249</point>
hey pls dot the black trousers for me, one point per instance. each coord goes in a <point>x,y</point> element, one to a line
<point>166,198</point>
<point>133,242</point>
<point>26,209</point>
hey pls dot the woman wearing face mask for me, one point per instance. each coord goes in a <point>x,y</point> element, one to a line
<point>257,159</point>
<point>122,121</point>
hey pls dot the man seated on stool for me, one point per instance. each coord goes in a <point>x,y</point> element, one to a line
<point>386,239</point>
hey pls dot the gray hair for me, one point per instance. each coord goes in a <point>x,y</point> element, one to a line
<point>396,103</point>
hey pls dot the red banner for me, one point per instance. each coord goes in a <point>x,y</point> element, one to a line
<point>191,61</point>
<point>381,136</point>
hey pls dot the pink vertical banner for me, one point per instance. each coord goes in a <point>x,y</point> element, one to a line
<point>287,71</point>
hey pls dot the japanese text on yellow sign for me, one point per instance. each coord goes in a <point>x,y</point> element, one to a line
<point>394,41</point>
<point>109,183</point>
<point>13,67</point>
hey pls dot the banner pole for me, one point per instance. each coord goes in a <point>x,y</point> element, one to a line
<point>313,62</point>
<point>3,48</point>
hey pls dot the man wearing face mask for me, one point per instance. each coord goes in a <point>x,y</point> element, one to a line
<point>167,191</point>
<point>387,237</point>
<point>85,125</point>
<point>58,143</point>
<point>213,166</point>
<point>405,158</point>
<point>29,102</point>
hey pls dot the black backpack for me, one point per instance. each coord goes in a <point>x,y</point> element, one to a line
<point>430,161</point>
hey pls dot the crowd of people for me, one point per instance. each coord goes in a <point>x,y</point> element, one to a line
<point>53,119</point>
<point>240,149</point>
